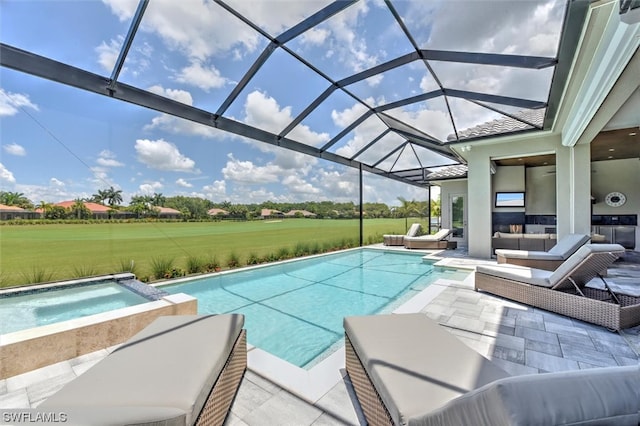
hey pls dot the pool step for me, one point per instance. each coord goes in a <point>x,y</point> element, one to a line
<point>144,290</point>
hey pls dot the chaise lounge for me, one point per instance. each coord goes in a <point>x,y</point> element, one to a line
<point>408,370</point>
<point>179,370</point>
<point>565,290</point>
<point>435,241</point>
<point>548,260</point>
<point>398,240</point>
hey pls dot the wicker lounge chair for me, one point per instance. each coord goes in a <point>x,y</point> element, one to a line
<point>179,370</point>
<point>548,260</point>
<point>408,370</point>
<point>564,290</point>
<point>398,240</point>
<point>435,241</point>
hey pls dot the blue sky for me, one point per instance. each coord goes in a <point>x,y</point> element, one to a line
<point>60,143</point>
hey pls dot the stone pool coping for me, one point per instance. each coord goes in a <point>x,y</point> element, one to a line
<point>25,350</point>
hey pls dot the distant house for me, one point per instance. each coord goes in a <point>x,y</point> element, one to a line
<point>14,212</point>
<point>98,211</point>
<point>168,213</point>
<point>218,212</point>
<point>304,213</point>
<point>270,213</point>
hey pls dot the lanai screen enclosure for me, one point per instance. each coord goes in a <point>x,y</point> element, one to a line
<point>386,87</point>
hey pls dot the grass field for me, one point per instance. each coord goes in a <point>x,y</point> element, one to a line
<point>38,253</point>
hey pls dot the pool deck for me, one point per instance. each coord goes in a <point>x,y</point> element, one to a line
<point>518,338</point>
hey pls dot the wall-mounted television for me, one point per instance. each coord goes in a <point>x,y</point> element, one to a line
<point>509,199</point>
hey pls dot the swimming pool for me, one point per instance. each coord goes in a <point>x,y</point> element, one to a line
<point>24,309</point>
<point>294,310</point>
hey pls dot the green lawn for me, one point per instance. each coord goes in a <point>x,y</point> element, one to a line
<point>32,253</point>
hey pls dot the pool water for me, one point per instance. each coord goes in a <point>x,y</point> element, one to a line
<point>294,310</point>
<point>27,309</point>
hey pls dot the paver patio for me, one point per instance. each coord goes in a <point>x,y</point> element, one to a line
<point>518,338</point>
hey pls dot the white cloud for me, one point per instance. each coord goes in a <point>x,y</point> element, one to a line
<point>150,188</point>
<point>248,173</point>
<point>262,111</point>
<point>183,183</point>
<point>11,103</point>
<point>6,175</point>
<point>205,78</point>
<point>15,149</point>
<point>163,155</point>
<point>198,29</point>
<point>176,125</point>
<point>108,53</point>
<point>107,158</point>
<point>347,116</point>
<point>300,187</point>
<point>175,94</point>
<point>56,183</point>
<point>315,36</point>
<point>216,191</point>
<point>55,191</point>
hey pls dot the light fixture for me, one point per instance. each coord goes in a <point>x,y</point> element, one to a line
<point>611,149</point>
<point>632,134</point>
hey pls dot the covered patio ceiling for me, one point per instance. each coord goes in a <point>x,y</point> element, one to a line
<point>395,113</point>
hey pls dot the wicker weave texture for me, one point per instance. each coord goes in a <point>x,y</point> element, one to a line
<point>218,403</point>
<point>589,309</point>
<point>548,265</point>
<point>370,402</point>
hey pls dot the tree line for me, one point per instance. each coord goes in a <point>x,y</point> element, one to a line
<point>196,208</point>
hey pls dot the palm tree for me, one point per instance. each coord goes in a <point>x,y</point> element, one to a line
<point>79,210</point>
<point>407,209</point>
<point>158,199</point>
<point>45,207</point>
<point>14,199</point>
<point>100,196</point>
<point>114,196</point>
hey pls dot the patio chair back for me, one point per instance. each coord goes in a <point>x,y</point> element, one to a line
<point>584,265</point>
<point>442,234</point>
<point>569,244</point>
<point>414,230</point>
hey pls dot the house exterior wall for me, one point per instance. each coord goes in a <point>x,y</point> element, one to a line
<point>447,189</point>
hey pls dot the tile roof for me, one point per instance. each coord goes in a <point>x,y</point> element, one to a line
<point>167,210</point>
<point>5,208</point>
<point>447,172</point>
<point>503,125</point>
<point>93,207</point>
<point>214,212</point>
<point>304,213</point>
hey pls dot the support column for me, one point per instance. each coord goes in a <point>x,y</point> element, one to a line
<point>361,206</point>
<point>573,190</point>
<point>479,203</point>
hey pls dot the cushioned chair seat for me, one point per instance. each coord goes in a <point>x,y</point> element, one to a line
<point>598,396</point>
<point>173,362</point>
<point>539,277</point>
<point>526,254</point>
<point>415,364</point>
<point>398,240</point>
<point>550,260</point>
<point>408,370</point>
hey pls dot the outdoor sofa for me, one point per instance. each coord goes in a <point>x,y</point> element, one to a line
<point>398,240</point>
<point>565,290</point>
<point>179,370</point>
<point>549,260</point>
<point>435,241</point>
<point>519,241</point>
<point>408,370</point>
